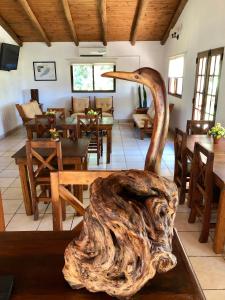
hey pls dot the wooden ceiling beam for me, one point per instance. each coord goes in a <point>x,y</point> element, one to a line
<point>34,20</point>
<point>136,21</point>
<point>103,17</point>
<point>10,32</point>
<point>174,20</point>
<point>69,20</point>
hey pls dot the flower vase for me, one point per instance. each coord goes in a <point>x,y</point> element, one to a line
<point>55,139</point>
<point>215,140</point>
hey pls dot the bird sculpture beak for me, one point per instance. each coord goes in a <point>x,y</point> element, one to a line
<point>130,76</point>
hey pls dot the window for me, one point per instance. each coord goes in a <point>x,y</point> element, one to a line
<point>175,76</point>
<point>207,79</point>
<point>87,77</point>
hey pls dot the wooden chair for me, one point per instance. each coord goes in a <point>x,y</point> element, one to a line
<point>59,192</point>
<point>78,105</point>
<point>43,157</point>
<point>182,164</point>
<point>28,110</point>
<point>60,112</point>
<point>89,124</point>
<point>198,127</point>
<point>106,104</point>
<point>2,219</point>
<point>42,125</point>
<point>201,192</point>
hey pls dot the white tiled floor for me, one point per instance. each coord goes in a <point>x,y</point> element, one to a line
<point>128,151</point>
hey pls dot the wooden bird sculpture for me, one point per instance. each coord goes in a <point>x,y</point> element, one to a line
<point>153,80</point>
<point>128,227</point>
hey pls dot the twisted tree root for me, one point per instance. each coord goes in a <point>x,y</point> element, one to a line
<point>126,236</point>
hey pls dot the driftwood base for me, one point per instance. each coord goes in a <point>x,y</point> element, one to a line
<point>126,236</point>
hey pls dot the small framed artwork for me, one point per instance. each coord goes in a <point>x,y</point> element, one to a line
<point>44,70</point>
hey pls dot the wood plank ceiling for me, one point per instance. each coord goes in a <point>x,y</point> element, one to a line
<point>89,20</point>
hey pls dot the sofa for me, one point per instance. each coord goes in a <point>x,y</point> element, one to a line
<point>145,118</point>
<point>78,105</point>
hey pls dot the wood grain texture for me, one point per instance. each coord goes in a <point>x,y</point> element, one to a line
<point>126,236</point>
<point>9,30</point>
<point>87,21</point>
<point>174,20</point>
<point>103,18</point>
<point>69,20</point>
<point>27,9</point>
<point>138,15</point>
<point>153,80</point>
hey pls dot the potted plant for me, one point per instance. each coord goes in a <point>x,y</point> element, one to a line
<point>54,134</point>
<point>217,132</point>
<point>51,115</point>
<point>92,112</point>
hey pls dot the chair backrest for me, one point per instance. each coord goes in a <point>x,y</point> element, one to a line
<point>88,123</point>
<point>2,219</point>
<point>202,171</point>
<point>60,112</point>
<point>98,110</point>
<point>106,103</point>
<point>79,104</point>
<point>180,141</point>
<point>28,110</point>
<point>43,157</point>
<point>198,127</point>
<point>43,123</point>
<point>59,192</point>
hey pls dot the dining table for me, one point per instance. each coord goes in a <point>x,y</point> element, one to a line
<point>34,261</point>
<point>70,123</point>
<point>218,180</point>
<point>74,155</point>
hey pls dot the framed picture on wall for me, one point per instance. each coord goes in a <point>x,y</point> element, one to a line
<point>44,70</point>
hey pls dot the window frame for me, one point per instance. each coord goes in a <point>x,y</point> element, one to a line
<point>202,110</point>
<point>175,78</point>
<point>93,77</point>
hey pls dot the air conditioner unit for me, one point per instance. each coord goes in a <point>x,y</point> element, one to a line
<point>97,51</point>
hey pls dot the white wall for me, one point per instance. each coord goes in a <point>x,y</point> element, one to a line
<point>127,57</point>
<point>203,24</point>
<point>10,93</point>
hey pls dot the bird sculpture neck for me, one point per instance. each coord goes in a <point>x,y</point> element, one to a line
<point>152,79</point>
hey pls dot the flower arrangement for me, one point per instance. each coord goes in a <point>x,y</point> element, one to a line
<point>54,134</point>
<point>50,113</point>
<point>92,112</point>
<point>217,131</point>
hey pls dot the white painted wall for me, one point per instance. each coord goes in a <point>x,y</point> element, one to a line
<point>10,93</point>
<point>58,93</point>
<point>203,24</point>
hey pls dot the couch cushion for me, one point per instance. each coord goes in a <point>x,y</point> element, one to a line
<point>104,103</point>
<point>106,114</point>
<point>139,119</point>
<point>36,108</point>
<point>79,104</point>
<point>28,110</point>
<point>151,111</point>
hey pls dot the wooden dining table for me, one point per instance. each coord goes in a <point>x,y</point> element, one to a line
<point>70,123</point>
<point>74,154</point>
<point>35,260</point>
<point>218,180</point>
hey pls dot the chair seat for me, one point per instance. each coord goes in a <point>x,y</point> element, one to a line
<point>74,115</point>
<point>106,114</point>
<point>139,119</point>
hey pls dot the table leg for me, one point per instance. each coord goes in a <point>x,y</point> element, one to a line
<point>109,145</point>
<point>85,167</point>
<point>25,189</point>
<point>219,238</point>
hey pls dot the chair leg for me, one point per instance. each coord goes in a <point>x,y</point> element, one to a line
<point>141,134</point>
<point>205,222</point>
<point>182,191</point>
<point>63,203</point>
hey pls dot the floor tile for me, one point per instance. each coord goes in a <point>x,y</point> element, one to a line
<point>13,193</point>
<point>22,222</point>
<point>210,271</point>
<point>193,247</point>
<point>6,182</point>
<point>11,206</point>
<point>47,222</point>
<point>214,294</point>
<point>182,224</point>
